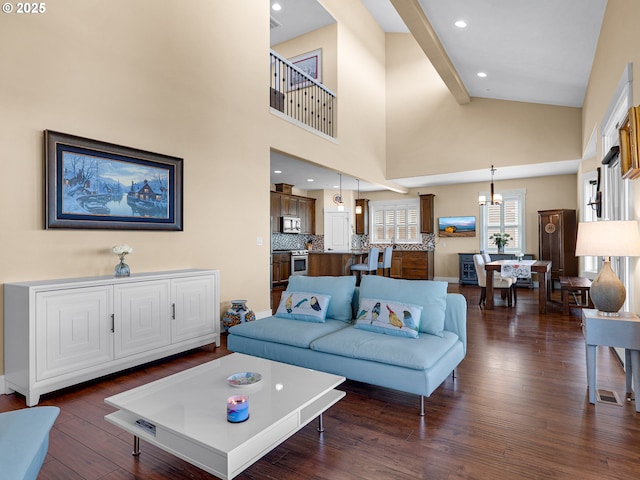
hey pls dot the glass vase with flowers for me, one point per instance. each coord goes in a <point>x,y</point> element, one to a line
<point>122,269</point>
<point>500,240</point>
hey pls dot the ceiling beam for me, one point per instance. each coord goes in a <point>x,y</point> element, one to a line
<point>416,21</point>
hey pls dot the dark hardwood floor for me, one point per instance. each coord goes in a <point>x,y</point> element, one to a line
<point>518,409</point>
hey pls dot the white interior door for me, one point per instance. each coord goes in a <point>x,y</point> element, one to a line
<point>337,234</point>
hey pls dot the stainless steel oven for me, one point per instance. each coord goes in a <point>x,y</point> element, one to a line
<point>299,262</point>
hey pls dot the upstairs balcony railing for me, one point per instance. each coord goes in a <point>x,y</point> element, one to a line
<point>301,97</point>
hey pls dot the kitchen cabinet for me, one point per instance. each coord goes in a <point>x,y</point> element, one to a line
<point>289,206</point>
<point>283,204</point>
<point>427,218</point>
<point>362,219</point>
<point>62,332</point>
<point>557,230</point>
<point>412,264</point>
<point>276,211</point>
<point>332,264</point>
<point>280,268</point>
<point>307,213</point>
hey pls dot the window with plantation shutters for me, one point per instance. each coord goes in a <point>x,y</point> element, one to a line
<point>395,221</point>
<point>507,217</point>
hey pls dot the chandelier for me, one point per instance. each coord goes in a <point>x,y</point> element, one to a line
<point>495,199</point>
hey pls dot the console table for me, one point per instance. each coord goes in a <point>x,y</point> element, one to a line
<point>622,331</point>
<point>59,333</point>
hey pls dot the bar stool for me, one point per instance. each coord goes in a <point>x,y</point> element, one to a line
<point>370,266</point>
<point>385,264</point>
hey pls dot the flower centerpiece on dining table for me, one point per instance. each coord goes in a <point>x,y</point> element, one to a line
<point>500,240</point>
<point>122,269</point>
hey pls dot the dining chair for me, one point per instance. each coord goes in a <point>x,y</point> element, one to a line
<point>371,265</point>
<point>507,285</point>
<point>385,264</point>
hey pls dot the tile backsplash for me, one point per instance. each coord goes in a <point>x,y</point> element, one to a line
<point>285,241</point>
<point>289,241</point>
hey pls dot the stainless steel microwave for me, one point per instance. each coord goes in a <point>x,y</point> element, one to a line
<point>291,225</point>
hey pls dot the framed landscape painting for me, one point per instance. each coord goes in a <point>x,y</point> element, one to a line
<point>457,226</point>
<point>94,184</point>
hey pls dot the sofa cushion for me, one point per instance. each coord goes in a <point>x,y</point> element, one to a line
<point>429,294</point>
<point>24,441</point>
<point>391,318</point>
<point>285,331</point>
<point>419,354</point>
<point>339,288</point>
<point>308,307</point>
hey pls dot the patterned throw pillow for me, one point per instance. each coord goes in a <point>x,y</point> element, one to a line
<point>429,294</point>
<point>309,307</point>
<point>392,318</point>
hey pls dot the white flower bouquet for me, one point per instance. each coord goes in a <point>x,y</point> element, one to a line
<point>122,250</point>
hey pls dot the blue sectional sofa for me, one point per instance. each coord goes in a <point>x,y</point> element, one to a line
<point>24,441</point>
<point>359,342</point>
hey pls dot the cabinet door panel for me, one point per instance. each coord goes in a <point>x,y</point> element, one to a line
<point>193,305</point>
<point>142,319</point>
<point>73,330</point>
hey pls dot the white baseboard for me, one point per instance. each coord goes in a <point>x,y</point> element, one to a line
<point>447,279</point>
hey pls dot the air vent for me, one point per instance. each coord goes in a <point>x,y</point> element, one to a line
<point>274,23</point>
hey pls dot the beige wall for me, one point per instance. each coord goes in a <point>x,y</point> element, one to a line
<point>150,75</point>
<point>617,46</point>
<point>542,193</point>
<point>429,133</point>
<point>359,148</point>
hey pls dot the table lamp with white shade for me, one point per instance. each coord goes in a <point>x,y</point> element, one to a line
<point>608,238</point>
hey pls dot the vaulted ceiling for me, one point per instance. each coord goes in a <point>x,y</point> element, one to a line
<point>530,51</point>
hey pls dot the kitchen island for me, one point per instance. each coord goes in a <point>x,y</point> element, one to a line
<point>407,264</point>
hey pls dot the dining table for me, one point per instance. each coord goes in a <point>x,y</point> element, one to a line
<point>541,267</point>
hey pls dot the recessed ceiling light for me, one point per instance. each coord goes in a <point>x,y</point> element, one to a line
<point>336,186</point>
<point>460,24</point>
<point>482,74</point>
<point>310,180</point>
<point>276,7</point>
<point>277,171</point>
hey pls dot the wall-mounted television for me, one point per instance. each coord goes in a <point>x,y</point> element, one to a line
<point>457,226</point>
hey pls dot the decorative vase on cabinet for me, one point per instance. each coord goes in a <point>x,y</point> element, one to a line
<point>122,269</point>
<point>237,314</point>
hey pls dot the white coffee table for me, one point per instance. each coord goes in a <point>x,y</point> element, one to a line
<point>188,413</point>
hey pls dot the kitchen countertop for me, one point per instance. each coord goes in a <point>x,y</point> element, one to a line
<point>341,252</point>
<point>361,252</point>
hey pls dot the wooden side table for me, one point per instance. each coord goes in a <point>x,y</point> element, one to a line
<point>622,331</point>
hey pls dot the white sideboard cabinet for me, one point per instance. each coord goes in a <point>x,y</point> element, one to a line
<point>59,333</point>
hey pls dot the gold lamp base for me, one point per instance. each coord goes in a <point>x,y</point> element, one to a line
<point>607,291</point>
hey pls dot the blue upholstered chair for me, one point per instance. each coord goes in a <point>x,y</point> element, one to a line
<point>385,264</point>
<point>24,441</point>
<point>370,266</point>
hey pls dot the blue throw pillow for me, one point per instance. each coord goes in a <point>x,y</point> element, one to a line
<point>429,294</point>
<point>340,289</point>
<point>392,318</point>
<point>309,307</point>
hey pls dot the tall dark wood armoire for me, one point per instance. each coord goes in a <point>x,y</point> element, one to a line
<point>557,230</point>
